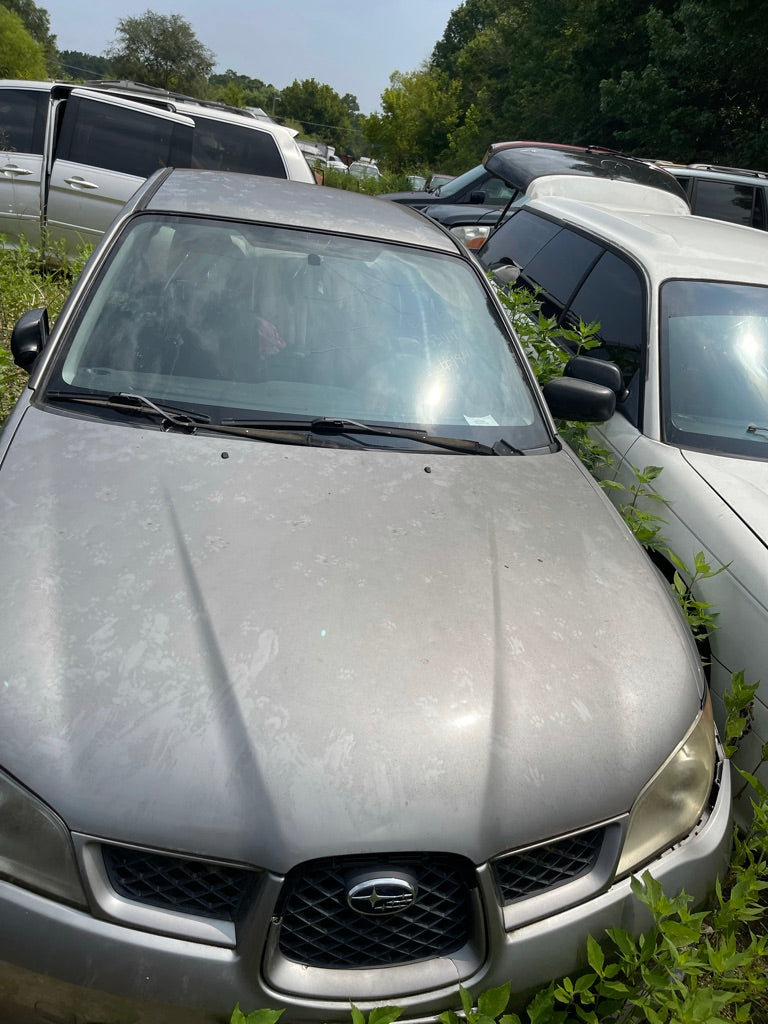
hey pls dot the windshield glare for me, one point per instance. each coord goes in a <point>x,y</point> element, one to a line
<point>714,344</point>
<point>251,321</point>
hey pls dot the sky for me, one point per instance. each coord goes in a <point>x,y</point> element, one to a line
<point>351,45</point>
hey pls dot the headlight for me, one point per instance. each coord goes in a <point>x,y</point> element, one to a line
<point>674,799</point>
<point>35,846</point>
<point>472,235</point>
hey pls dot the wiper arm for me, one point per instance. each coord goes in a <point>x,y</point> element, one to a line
<point>753,428</point>
<point>169,417</point>
<point>329,426</point>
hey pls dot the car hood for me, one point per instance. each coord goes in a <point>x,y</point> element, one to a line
<point>741,483</point>
<point>267,653</point>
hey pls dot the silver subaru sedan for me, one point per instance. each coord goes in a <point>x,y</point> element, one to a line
<point>328,673</point>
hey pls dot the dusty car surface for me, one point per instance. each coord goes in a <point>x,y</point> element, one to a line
<point>328,671</point>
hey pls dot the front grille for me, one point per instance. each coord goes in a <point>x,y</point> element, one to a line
<point>319,929</point>
<point>546,867</point>
<point>176,883</point>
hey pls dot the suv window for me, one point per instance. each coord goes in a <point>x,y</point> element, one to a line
<point>727,201</point>
<point>561,264</point>
<point>121,139</point>
<point>222,146</point>
<point>518,240</point>
<point>613,296</point>
<point>23,114</point>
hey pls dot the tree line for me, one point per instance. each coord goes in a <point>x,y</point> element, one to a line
<point>675,79</point>
<point>682,80</point>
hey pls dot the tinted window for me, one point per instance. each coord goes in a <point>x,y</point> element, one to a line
<point>122,139</point>
<point>22,120</point>
<point>561,264</point>
<point>517,240</point>
<point>221,146</point>
<point>613,296</point>
<point>724,201</point>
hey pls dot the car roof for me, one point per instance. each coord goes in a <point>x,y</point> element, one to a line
<point>519,164</point>
<point>668,245</point>
<point>293,204</point>
<point>739,175</point>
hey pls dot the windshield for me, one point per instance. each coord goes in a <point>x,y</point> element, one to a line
<point>248,322</point>
<point>476,176</point>
<point>714,344</point>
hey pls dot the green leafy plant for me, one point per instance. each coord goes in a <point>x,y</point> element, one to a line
<point>30,277</point>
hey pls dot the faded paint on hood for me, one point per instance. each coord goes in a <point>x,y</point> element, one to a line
<point>292,652</point>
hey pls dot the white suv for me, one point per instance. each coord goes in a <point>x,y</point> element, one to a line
<point>682,303</point>
<point>70,156</point>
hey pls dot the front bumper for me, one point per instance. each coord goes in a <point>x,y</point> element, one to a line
<point>59,965</point>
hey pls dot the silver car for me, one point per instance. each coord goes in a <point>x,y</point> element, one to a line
<point>328,673</point>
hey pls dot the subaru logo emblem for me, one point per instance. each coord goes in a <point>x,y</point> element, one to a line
<point>377,895</point>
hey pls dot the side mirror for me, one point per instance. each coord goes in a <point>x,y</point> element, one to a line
<point>598,371</point>
<point>477,197</point>
<point>571,399</point>
<point>29,337</point>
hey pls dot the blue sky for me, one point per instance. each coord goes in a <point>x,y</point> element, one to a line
<point>351,45</point>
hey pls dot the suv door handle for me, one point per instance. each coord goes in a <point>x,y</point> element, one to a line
<point>13,170</point>
<point>78,182</point>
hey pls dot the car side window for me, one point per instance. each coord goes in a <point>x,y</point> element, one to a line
<point>725,201</point>
<point>121,139</point>
<point>23,114</point>
<point>497,192</point>
<point>613,296</point>
<point>559,267</point>
<point>517,240</point>
<point>221,146</point>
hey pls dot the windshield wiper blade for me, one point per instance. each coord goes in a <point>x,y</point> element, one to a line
<point>329,425</point>
<point>169,416</point>
<point>753,428</point>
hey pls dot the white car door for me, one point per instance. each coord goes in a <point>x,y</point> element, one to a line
<point>23,116</point>
<point>106,147</point>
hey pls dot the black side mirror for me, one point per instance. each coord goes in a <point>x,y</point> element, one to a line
<point>29,337</point>
<point>571,399</point>
<point>598,371</point>
<point>477,197</point>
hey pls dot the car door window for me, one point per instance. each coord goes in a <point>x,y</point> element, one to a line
<point>497,193</point>
<point>725,201</point>
<point>517,240</point>
<point>222,146</point>
<point>22,120</point>
<point>613,296</point>
<point>123,139</point>
<point>559,267</point>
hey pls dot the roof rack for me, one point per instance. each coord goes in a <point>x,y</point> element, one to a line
<point>154,94</point>
<point>729,170</point>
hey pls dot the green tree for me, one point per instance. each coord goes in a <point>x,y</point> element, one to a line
<point>321,111</point>
<point>419,110</point>
<point>84,66</point>
<point>161,50</point>
<point>702,93</point>
<point>20,55</point>
<point>37,23</point>
<point>249,92</point>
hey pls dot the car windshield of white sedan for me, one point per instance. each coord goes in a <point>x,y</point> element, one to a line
<point>239,321</point>
<point>714,346</point>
